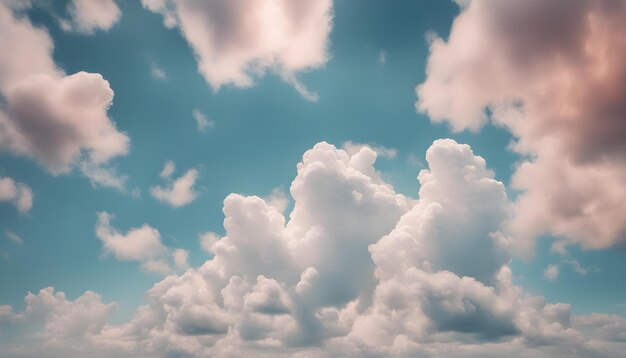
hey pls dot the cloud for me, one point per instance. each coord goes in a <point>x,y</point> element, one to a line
<point>157,72</point>
<point>551,273</point>
<point>356,270</point>
<point>237,41</point>
<point>382,151</point>
<point>202,121</point>
<point>13,236</point>
<point>142,244</point>
<point>20,194</point>
<point>61,324</point>
<point>179,192</point>
<point>58,120</point>
<point>558,86</point>
<point>87,16</point>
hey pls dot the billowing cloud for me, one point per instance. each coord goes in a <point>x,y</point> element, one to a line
<point>236,41</point>
<point>58,120</point>
<point>88,16</point>
<point>142,244</point>
<point>552,74</point>
<point>178,192</point>
<point>357,270</point>
<point>20,194</point>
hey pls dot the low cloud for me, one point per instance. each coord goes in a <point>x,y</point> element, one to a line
<point>356,270</point>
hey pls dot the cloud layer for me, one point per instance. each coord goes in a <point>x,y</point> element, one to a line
<point>357,270</point>
<point>236,41</point>
<point>553,75</point>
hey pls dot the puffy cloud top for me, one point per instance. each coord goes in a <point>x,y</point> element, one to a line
<point>357,270</point>
<point>553,75</point>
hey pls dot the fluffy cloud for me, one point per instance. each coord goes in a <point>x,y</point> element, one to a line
<point>236,41</point>
<point>141,244</point>
<point>57,120</point>
<point>357,270</point>
<point>60,324</point>
<point>179,192</point>
<point>553,75</point>
<point>87,16</point>
<point>20,194</point>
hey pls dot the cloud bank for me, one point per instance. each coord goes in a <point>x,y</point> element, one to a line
<point>552,74</point>
<point>356,270</point>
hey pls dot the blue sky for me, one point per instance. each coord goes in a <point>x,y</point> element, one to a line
<point>377,53</point>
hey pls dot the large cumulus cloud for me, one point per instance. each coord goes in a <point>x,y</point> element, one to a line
<point>235,41</point>
<point>553,75</point>
<point>356,270</point>
<point>58,120</point>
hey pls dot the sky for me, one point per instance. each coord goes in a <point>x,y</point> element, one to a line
<point>183,178</point>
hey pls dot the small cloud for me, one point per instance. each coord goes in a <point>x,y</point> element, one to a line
<point>168,169</point>
<point>202,121</point>
<point>179,192</point>
<point>13,236</point>
<point>382,57</point>
<point>551,273</point>
<point>576,266</point>
<point>88,16</point>
<point>20,194</point>
<point>157,72</point>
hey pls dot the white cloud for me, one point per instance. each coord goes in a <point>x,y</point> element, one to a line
<point>59,121</point>
<point>168,169</point>
<point>382,57</point>
<point>20,194</point>
<point>142,244</point>
<point>553,76</point>
<point>179,192</point>
<point>551,273</point>
<point>180,258</point>
<point>207,240</point>
<point>238,41</point>
<point>13,236</point>
<point>88,16</point>
<point>202,121</point>
<point>357,270</point>
<point>380,150</point>
<point>157,72</point>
